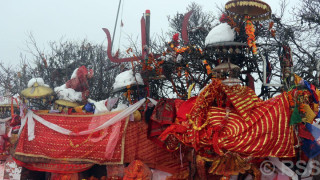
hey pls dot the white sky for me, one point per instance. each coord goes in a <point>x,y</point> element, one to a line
<point>50,20</point>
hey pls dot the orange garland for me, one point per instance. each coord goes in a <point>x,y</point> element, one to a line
<point>208,68</point>
<point>181,50</point>
<point>251,37</point>
<point>299,98</point>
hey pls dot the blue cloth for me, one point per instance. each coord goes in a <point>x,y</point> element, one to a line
<point>89,107</point>
<point>311,148</point>
<point>318,115</point>
<point>314,130</point>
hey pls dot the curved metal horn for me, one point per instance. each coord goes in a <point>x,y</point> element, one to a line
<point>115,58</point>
<point>184,29</point>
<point>144,52</point>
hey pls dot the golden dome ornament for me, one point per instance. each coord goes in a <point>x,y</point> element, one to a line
<point>65,103</point>
<point>256,9</point>
<point>37,96</point>
<point>36,92</point>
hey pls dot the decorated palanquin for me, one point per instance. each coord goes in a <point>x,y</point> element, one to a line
<point>231,121</point>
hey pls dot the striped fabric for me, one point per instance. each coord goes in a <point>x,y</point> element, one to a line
<point>253,127</point>
<point>265,133</point>
<point>138,146</point>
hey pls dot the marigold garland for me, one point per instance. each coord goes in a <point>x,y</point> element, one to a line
<point>251,37</point>
<point>181,50</point>
<point>299,98</point>
<point>208,68</point>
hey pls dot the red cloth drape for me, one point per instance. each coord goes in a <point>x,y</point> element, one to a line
<point>49,144</point>
<point>254,127</point>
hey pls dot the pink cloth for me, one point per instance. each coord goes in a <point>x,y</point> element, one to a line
<point>281,177</point>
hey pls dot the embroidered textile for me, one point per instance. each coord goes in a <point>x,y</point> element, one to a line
<point>243,99</point>
<point>250,127</point>
<point>52,145</point>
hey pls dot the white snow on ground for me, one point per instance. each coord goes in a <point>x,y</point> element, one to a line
<point>68,94</point>
<point>126,78</point>
<point>220,33</point>
<point>38,80</point>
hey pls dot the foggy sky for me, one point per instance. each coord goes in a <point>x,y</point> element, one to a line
<point>51,20</point>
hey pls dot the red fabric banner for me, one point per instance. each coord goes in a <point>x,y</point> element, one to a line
<point>102,147</point>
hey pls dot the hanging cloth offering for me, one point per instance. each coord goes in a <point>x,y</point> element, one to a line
<point>310,115</point>
<point>295,117</point>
